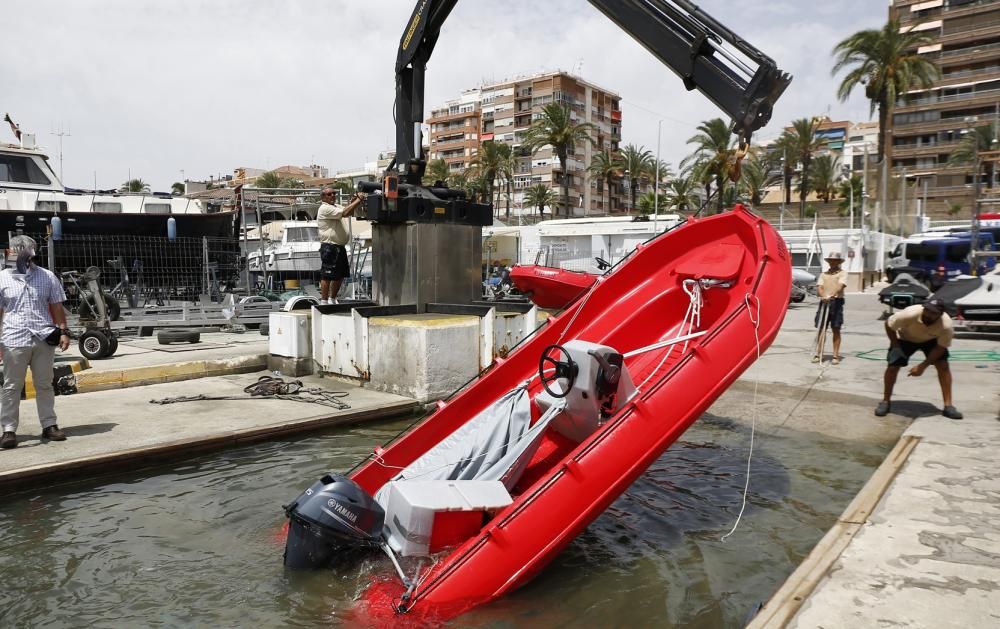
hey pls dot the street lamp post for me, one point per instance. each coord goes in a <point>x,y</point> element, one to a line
<point>846,172</point>
<point>656,183</point>
<point>781,213</point>
<point>628,193</point>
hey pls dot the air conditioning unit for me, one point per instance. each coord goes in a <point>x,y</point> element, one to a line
<point>290,334</point>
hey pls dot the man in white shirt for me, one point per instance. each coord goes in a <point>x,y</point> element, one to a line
<point>928,328</point>
<point>333,238</point>
<point>32,318</point>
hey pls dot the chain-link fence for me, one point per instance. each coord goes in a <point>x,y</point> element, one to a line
<point>144,270</point>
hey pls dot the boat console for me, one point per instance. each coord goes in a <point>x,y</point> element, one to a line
<point>590,380</point>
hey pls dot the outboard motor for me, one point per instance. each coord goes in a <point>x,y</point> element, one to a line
<point>331,521</point>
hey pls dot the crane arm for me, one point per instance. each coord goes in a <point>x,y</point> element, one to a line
<point>740,79</point>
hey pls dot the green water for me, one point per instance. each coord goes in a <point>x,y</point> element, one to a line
<point>199,543</point>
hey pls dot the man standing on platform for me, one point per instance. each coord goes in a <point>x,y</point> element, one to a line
<point>333,236</point>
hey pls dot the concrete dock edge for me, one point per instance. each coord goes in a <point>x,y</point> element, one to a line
<point>790,597</point>
<point>179,449</point>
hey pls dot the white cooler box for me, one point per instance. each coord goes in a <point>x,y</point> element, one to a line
<point>425,516</point>
<point>290,334</point>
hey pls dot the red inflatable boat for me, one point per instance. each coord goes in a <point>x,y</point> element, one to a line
<point>478,497</point>
<point>548,287</point>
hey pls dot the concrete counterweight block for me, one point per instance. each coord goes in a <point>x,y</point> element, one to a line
<point>424,357</point>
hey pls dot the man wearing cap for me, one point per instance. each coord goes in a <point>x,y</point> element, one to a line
<point>830,286</point>
<point>926,327</point>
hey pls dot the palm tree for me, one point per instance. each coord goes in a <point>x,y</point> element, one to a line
<point>437,170</point>
<point>847,188</point>
<point>803,144</point>
<point>488,164</point>
<point>271,179</point>
<point>540,196</point>
<point>972,143</point>
<point>886,62</point>
<point>508,169</point>
<point>556,128</point>
<point>680,193</point>
<point>825,171</point>
<point>757,175</point>
<point>715,156</point>
<point>647,202</point>
<point>780,154</point>
<point>344,186</point>
<point>134,185</point>
<point>636,161</point>
<point>472,182</point>
<point>177,189</point>
<point>605,165</point>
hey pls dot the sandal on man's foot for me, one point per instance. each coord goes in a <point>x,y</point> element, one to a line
<point>882,409</point>
<point>951,412</point>
<point>836,360</point>
<point>815,359</point>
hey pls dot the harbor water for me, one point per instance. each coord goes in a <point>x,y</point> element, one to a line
<point>200,543</point>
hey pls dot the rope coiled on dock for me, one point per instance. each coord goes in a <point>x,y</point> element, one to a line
<point>272,388</point>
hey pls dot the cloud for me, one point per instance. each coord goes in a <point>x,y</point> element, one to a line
<point>149,88</point>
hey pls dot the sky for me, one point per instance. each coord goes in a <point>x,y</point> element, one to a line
<point>171,89</point>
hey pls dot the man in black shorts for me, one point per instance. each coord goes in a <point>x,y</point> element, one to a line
<point>333,237</point>
<point>928,328</point>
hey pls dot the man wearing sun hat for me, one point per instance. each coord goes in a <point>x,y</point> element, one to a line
<point>830,285</point>
<point>928,328</point>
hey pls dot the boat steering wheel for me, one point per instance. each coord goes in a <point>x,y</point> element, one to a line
<point>567,369</point>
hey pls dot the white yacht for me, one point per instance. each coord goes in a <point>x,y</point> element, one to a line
<point>31,195</point>
<point>292,248</point>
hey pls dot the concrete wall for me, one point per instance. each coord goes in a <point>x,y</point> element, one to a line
<point>424,357</point>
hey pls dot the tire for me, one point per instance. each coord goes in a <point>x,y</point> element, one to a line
<point>166,337</point>
<point>265,329</point>
<point>94,344</point>
<point>112,346</point>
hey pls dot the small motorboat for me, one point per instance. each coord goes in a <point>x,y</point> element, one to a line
<point>549,287</point>
<point>475,499</point>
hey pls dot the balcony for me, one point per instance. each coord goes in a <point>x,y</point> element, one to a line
<point>974,53</point>
<point>977,72</point>
<point>913,150</point>
<point>968,98</point>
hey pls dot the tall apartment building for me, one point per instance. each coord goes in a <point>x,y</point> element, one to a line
<point>927,125</point>
<point>505,111</point>
<point>455,130</point>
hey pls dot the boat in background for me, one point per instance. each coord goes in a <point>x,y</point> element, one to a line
<point>31,195</point>
<point>501,477</point>
<point>290,251</point>
<point>165,239</point>
<point>548,287</point>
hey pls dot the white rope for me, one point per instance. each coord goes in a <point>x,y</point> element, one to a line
<point>586,298</point>
<point>753,424</point>
<point>691,321</point>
